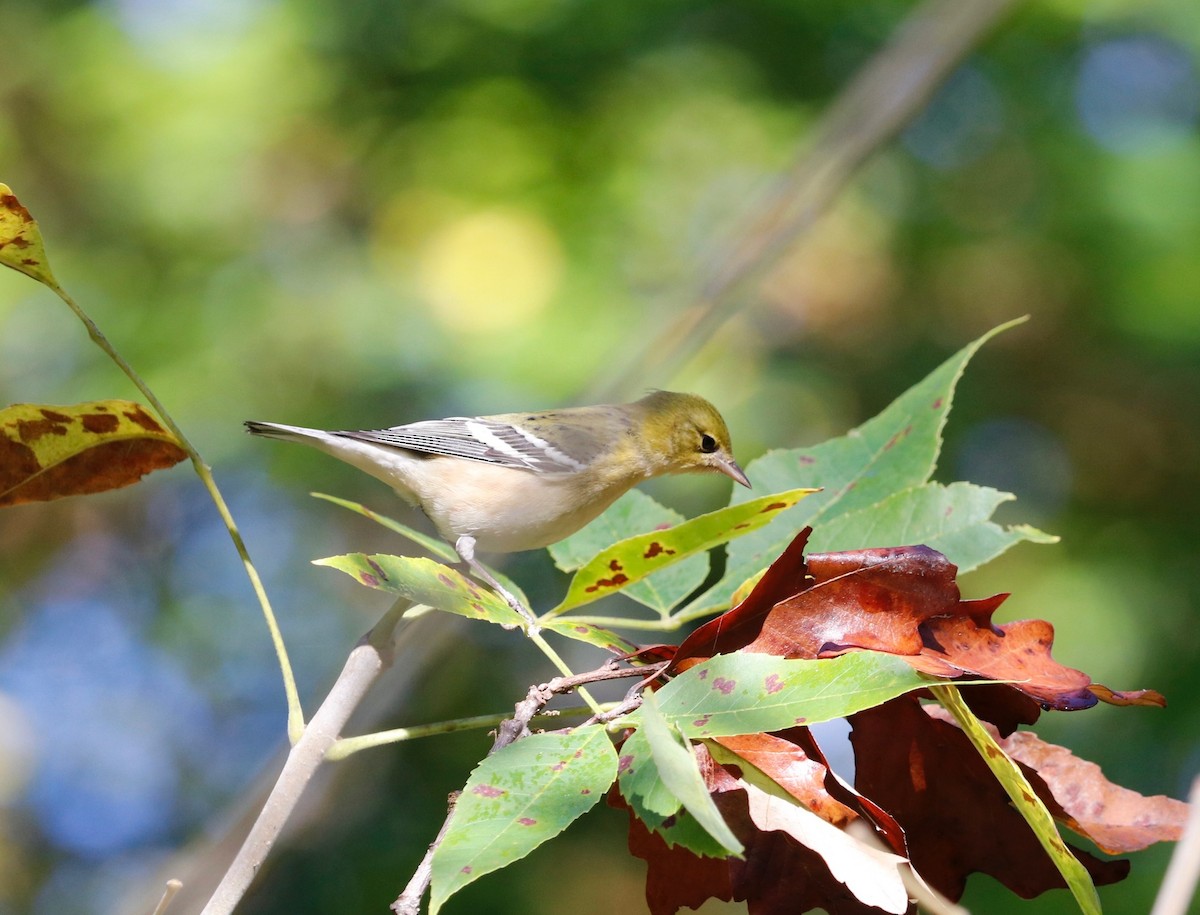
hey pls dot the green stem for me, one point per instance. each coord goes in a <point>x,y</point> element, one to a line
<point>347,746</point>
<point>295,712</point>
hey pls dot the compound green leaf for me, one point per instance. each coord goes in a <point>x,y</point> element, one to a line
<point>955,520</point>
<point>744,693</point>
<point>439,548</point>
<point>518,798</point>
<point>895,450</point>
<point>426,582</point>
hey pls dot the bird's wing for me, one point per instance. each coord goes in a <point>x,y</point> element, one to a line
<point>484,438</point>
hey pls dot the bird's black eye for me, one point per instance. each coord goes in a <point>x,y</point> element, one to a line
<point>708,444</point>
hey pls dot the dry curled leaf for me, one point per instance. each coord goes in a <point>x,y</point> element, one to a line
<point>904,601</point>
<point>48,452</point>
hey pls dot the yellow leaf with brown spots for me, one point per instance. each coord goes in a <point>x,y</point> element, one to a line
<point>21,240</point>
<point>47,452</point>
<point>620,565</point>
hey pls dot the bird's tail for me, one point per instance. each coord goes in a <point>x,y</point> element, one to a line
<point>280,431</point>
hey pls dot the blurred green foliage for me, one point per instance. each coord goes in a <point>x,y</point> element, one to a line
<point>369,212</point>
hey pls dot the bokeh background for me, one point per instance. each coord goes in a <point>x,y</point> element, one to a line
<point>364,212</point>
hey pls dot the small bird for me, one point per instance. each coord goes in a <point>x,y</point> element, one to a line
<point>521,481</point>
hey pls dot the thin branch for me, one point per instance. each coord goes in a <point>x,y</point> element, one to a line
<point>204,472</point>
<point>172,888</point>
<point>369,658</point>
<point>409,902</point>
<point>348,746</point>
<point>874,107</point>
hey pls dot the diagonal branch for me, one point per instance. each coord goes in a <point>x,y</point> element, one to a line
<point>884,96</point>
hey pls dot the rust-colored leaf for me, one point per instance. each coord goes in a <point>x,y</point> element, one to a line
<point>1117,819</point>
<point>790,767</point>
<point>21,240</point>
<point>47,452</point>
<point>905,601</point>
<point>956,817</point>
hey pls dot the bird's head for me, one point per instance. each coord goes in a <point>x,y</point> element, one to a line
<point>689,435</point>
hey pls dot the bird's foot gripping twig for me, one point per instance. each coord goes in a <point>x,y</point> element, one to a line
<point>465,547</point>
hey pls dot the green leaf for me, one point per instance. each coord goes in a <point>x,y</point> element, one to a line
<point>750,693</point>
<point>632,514</point>
<point>437,547</point>
<point>954,520</point>
<point>620,565</point>
<point>641,785</point>
<point>1021,793</point>
<point>426,582</point>
<point>518,798</point>
<point>893,451</point>
<point>655,805</point>
<point>675,761</point>
<point>21,240</point>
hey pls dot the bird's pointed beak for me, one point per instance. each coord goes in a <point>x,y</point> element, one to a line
<point>730,468</point>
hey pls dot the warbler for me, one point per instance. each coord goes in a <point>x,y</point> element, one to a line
<point>521,481</point>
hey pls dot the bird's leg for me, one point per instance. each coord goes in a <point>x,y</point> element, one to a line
<point>465,547</point>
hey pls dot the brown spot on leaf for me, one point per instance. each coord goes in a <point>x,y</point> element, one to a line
<point>614,582</point>
<point>723,686</point>
<point>447,580</point>
<point>527,821</point>
<point>100,423</point>
<point>10,202</point>
<point>487,791</point>
<point>368,579</point>
<point>773,507</point>
<point>30,430</point>
<point>773,684</point>
<point>143,419</point>
<point>378,569</point>
<point>615,566</point>
<point>655,549</point>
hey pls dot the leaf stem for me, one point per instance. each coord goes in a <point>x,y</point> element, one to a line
<point>1023,797</point>
<point>204,472</point>
<point>347,746</point>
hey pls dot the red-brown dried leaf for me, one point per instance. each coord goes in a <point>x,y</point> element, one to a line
<point>776,875</point>
<point>904,601</point>
<point>48,452</point>
<point>956,817</point>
